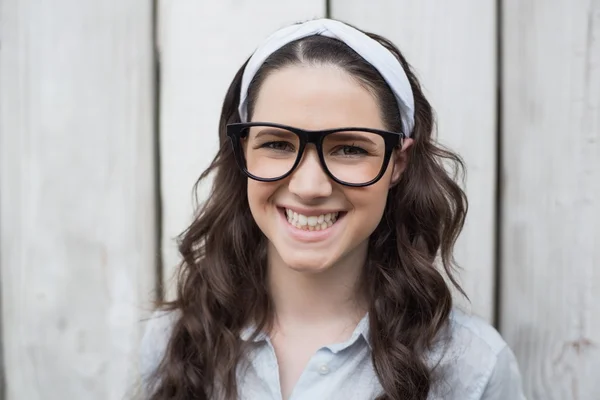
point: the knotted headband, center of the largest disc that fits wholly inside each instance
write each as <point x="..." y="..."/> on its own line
<point x="372" y="51"/>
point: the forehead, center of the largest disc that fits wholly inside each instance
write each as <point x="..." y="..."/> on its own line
<point x="316" y="97"/>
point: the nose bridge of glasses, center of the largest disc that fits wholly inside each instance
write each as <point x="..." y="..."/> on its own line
<point x="313" y="137"/>
<point x="311" y="147"/>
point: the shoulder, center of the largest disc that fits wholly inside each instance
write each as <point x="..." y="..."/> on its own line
<point x="154" y="341"/>
<point x="475" y="362"/>
<point x="468" y="330"/>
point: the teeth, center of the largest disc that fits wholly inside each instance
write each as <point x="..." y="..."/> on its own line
<point x="311" y="223"/>
<point x="302" y="219"/>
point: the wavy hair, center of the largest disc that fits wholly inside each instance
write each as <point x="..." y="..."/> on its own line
<point x="222" y="277"/>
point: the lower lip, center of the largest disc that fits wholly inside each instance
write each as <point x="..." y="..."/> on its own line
<point x="306" y="236"/>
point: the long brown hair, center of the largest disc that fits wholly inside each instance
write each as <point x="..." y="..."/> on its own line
<point x="221" y="282"/>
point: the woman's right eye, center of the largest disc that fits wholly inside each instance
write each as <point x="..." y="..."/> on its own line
<point x="279" y="146"/>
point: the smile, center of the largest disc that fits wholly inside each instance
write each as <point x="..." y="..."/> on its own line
<point x="312" y="222"/>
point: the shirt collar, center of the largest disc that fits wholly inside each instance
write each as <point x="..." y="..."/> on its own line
<point x="248" y="331"/>
<point x="361" y="330"/>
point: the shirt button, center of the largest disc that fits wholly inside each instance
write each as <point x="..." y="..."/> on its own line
<point x="323" y="369"/>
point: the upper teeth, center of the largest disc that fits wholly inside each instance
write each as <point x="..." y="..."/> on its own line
<point x="313" y="222"/>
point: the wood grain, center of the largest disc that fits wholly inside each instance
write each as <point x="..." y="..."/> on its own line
<point x="551" y="187"/>
<point x="452" y="47"/>
<point x="76" y="195"/>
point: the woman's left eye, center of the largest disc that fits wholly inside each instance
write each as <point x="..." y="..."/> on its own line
<point x="350" y="151"/>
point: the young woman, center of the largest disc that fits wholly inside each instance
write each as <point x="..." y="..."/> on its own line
<point x="311" y="270"/>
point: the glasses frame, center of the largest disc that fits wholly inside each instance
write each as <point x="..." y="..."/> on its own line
<point x="237" y="131"/>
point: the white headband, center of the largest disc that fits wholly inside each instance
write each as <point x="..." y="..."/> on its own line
<point x="372" y="51"/>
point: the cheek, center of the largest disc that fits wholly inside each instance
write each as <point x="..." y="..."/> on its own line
<point x="259" y="194"/>
<point x="372" y="199"/>
<point x="255" y="196"/>
<point x="253" y="192"/>
<point x="369" y="205"/>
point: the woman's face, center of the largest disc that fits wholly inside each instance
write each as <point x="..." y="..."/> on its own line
<point x="314" y="98"/>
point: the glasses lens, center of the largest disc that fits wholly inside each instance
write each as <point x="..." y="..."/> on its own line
<point x="354" y="157"/>
<point x="270" y="152"/>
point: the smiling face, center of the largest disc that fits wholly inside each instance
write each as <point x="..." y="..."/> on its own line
<point x="312" y="222"/>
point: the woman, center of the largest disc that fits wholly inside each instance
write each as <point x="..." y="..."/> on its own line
<point x="310" y="272"/>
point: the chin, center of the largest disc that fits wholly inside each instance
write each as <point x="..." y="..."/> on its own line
<point x="309" y="264"/>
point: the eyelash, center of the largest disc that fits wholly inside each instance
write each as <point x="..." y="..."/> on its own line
<point x="270" y="145"/>
<point x="361" y="151"/>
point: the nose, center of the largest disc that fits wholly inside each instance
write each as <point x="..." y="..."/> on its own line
<point x="309" y="181"/>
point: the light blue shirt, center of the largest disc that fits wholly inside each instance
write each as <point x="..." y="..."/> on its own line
<point x="476" y="364"/>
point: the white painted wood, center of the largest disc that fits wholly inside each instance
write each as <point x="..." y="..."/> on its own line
<point x="202" y="45"/>
<point x="551" y="225"/>
<point x="76" y="195"/>
<point x="451" y="45"/>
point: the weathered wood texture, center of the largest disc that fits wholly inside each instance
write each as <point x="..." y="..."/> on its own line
<point x="452" y="47"/>
<point x="76" y="194"/>
<point x="550" y="305"/>
<point x="201" y="48"/>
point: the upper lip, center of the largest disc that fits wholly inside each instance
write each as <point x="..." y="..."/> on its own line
<point x="312" y="211"/>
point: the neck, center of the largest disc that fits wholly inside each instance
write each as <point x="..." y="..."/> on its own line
<point x="331" y="296"/>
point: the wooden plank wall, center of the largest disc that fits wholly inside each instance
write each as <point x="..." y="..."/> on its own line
<point x="452" y="47"/>
<point x="76" y="195"/>
<point x="78" y="184"/>
<point x="550" y="303"/>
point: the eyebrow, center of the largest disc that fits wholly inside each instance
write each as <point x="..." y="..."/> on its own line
<point x="337" y="135"/>
<point x="352" y="136"/>
<point x="275" y="132"/>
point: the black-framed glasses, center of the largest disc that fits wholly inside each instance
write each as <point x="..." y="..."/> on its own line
<point x="355" y="157"/>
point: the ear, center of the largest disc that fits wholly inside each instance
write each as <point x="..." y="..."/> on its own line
<point x="400" y="161"/>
